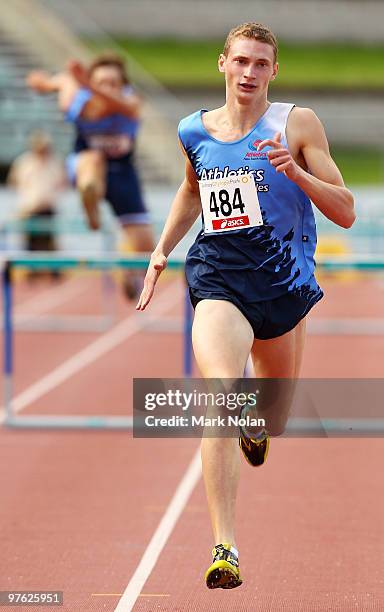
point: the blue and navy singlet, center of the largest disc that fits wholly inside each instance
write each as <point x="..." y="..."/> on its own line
<point x="257" y="263"/>
<point x="114" y="135"/>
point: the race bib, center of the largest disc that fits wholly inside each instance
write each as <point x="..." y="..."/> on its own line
<point x="230" y="203"/>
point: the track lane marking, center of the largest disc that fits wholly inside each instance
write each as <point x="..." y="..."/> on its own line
<point x="160" y="537"/>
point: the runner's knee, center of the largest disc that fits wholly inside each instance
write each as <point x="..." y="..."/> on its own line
<point x="91" y="160"/>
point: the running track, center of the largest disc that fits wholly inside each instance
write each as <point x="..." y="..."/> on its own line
<point x="80" y="511"/>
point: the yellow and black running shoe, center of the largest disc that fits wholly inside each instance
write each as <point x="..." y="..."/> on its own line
<point x="224" y="572"/>
<point x="254" y="447"/>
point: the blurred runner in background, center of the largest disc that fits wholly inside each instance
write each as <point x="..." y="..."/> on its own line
<point x="105" y="111"/>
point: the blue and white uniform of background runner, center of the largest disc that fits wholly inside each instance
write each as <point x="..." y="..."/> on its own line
<point x="114" y="135"/>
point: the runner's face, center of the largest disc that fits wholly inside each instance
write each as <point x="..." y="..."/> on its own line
<point x="248" y="67"/>
<point x="107" y="78"/>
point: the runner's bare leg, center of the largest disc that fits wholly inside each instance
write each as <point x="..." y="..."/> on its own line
<point x="222" y="340"/>
<point x="90" y="182"/>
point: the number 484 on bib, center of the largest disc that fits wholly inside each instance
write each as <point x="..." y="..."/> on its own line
<point x="230" y="204"/>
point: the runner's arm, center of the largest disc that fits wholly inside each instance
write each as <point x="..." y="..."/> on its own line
<point x="43" y="82"/>
<point x="323" y="182"/>
<point x="61" y="83"/>
<point x="185" y="209"/>
<point x="325" y="185"/>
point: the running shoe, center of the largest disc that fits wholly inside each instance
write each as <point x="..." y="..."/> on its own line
<point x="224" y="572"/>
<point x="254" y="446"/>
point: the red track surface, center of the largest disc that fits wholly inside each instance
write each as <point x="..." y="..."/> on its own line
<point x="78" y="509"/>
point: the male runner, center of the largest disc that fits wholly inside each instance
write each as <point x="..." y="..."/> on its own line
<point x="250" y="269"/>
<point x="105" y="110"/>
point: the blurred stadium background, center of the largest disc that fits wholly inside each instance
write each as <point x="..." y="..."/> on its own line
<point x="331" y="60"/>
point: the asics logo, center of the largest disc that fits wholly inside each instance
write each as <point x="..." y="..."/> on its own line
<point x="220" y="224"/>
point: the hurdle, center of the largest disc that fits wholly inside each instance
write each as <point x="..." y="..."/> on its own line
<point x="348" y="326"/>
<point x="66" y="322"/>
<point x="369" y="263"/>
<point x="93" y="262"/>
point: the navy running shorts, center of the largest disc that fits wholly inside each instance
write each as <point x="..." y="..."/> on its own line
<point x="123" y="190"/>
<point x="270" y="318"/>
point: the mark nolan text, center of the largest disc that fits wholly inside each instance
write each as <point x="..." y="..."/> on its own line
<point x="227" y="421"/>
<point x="203" y="421"/>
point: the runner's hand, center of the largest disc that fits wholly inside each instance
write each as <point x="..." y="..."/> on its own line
<point x="157" y="264"/>
<point x="36" y="79"/>
<point x="79" y="72"/>
<point x="280" y="157"/>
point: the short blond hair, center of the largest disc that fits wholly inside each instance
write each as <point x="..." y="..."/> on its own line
<point x="257" y="31"/>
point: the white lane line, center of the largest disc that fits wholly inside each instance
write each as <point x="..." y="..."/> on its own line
<point x="161" y="535"/>
<point x="90" y="353"/>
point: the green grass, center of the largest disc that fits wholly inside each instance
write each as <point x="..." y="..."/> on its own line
<point x="194" y="63"/>
<point x="360" y="166"/>
<point x="331" y="66"/>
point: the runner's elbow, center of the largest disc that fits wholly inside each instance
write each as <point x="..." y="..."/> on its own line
<point x="190" y="187"/>
<point x="350" y="215"/>
<point x="349" y="219"/>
